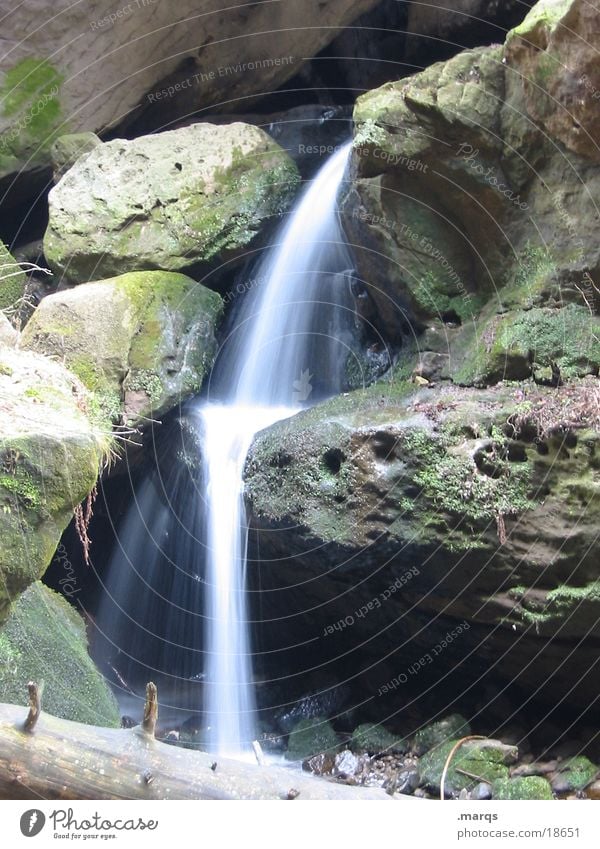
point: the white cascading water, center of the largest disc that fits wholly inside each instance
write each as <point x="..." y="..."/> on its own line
<point x="289" y="331"/>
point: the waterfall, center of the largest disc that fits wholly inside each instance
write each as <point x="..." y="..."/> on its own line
<point x="289" y="335"/>
<point x="173" y="607"/>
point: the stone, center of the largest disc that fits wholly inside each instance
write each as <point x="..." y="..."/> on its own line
<point x="555" y="50"/>
<point x="52" y="448"/>
<point x="141" y="342"/>
<point x="347" y="765"/>
<point x="485" y="761"/>
<point x="44" y="640"/>
<point x="375" y="739"/>
<point x="450" y="728"/>
<point x="574" y="774"/>
<point x="532" y="787"/>
<point x="311" y="737"/>
<point x="153" y="64"/>
<point x="66" y="150"/>
<point x="449" y="488"/>
<point x="167" y="201"/>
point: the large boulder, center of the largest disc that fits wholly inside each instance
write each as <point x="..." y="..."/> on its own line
<point x="461" y="201"/>
<point x="142" y="342"/>
<point x="147" y="55"/>
<point x="555" y="53"/>
<point x="44" y="640"/>
<point x="460" y="517"/>
<point x="50" y="454"/>
<point x="167" y="201"/>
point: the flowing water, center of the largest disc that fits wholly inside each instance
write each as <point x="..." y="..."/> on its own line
<point x="289" y="331"/>
<point x="290" y="336"/>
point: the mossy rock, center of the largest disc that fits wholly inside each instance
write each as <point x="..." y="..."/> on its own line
<point x="50" y="454"/>
<point x="524" y="788"/>
<point x="575" y="774"/>
<point x="488" y="760"/>
<point x="30" y="98"/>
<point x="311" y="737"/>
<point x="450" y="728"/>
<point x="12" y="279"/>
<point x="141" y="342"/>
<point x="517" y="344"/>
<point x="44" y="640"/>
<point x="375" y="739"/>
<point x="166" y="201"/>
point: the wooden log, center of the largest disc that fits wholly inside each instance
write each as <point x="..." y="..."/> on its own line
<point x="59" y="759"/>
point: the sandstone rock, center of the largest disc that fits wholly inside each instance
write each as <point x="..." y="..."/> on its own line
<point x="44" y="640"/>
<point x="481" y="492"/>
<point x="167" y="201"/>
<point x="50" y="454"/>
<point x="66" y="150"/>
<point x="142" y="342"/>
<point x="147" y="55"/>
<point x="555" y="54"/>
<point x="461" y="202"/>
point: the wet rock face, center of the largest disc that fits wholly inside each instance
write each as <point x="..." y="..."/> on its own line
<point x="167" y="201"/>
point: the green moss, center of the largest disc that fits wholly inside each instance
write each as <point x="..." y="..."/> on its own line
<point x="311" y="737"/>
<point x="23" y="487"/>
<point x="449" y="728"/>
<point x="375" y="739"/>
<point x="545" y="13"/>
<point x="44" y="640"/>
<point x="559" y="604"/>
<point x="524" y="787"/>
<point x="483" y="762"/>
<point x="578" y="772"/>
<point x="30" y="96"/>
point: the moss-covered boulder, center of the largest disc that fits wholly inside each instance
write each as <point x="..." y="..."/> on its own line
<point x="166" y="201"/>
<point x="455" y="188"/>
<point x="555" y="51"/>
<point x="142" y="342"/>
<point x="518" y="344"/>
<point x="311" y="737"/>
<point x="452" y="727"/>
<point x="44" y="640"/>
<point x="375" y="739"/>
<point x="484" y="760"/>
<point x="459" y="521"/>
<point x="574" y="774"/>
<point x="50" y="454"/>
<point x="12" y="279"/>
<point x="523" y="788"/>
